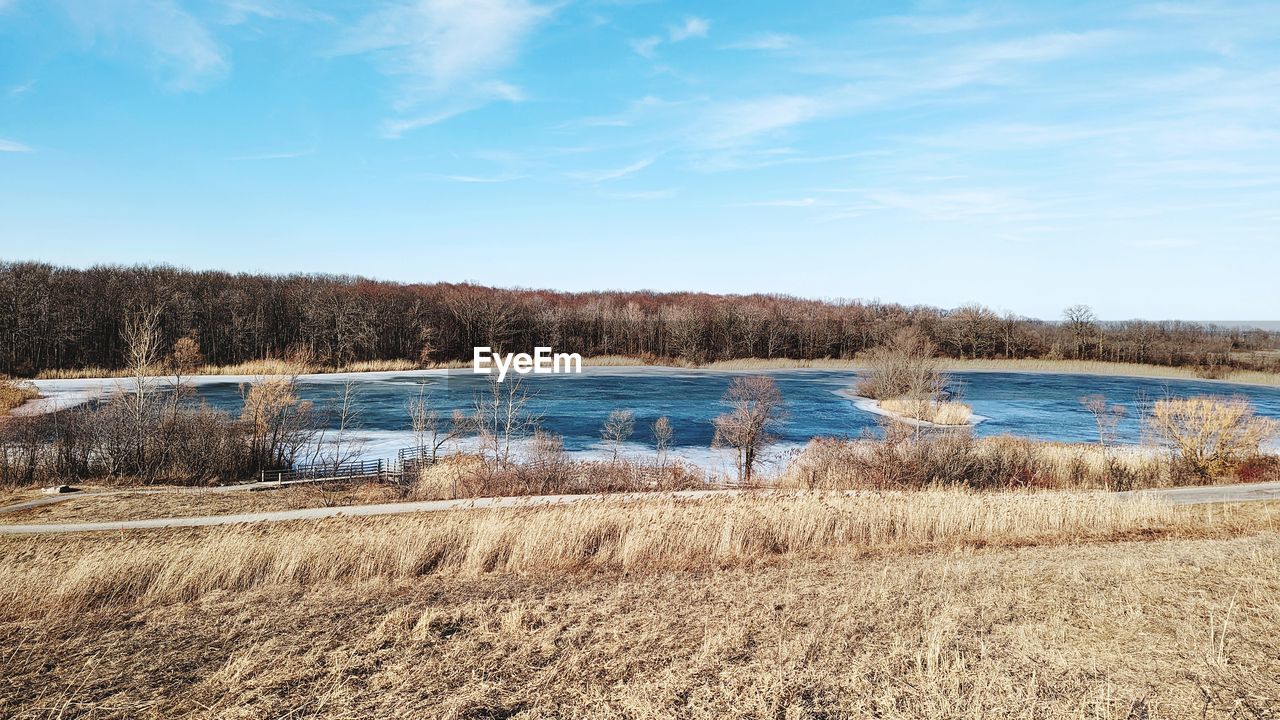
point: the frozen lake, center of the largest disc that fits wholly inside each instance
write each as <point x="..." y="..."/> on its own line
<point x="1033" y="405"/>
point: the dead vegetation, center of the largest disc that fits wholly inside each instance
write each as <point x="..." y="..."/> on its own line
<point x="1167" y="629"/>
<point x="13" y="393"/>
<point x="142" y="569"/>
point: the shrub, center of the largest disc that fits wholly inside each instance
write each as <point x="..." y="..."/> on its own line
<point x="903" y="367"/>
<point x="905" y="459"/>
<point x="1212" y="435"/>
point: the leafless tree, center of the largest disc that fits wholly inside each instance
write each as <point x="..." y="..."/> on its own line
<point x="662" y="436"/>
<point x="502" y="415"/>
<point x="755" y="410"/>
<point x="1106" y="416"/>
<point x="280" y="425"/>
<point x="141" y="336"/>
<point x="617" y="429"/>
<point x="430" y="431"/>
<point x="904" y="368"/>
<point x="1082" y="323"/>
<point x="345" y="409"/>
<point x="185" y="359"/>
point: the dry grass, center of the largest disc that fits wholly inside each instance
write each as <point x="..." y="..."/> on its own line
<point x="38" y="577"/>
<point x="185" y="502"/>
<point x="935" y="412"/>
<point x="1095" y="367"/>
<point x="13" y="393"/>
<point x="1166" y="629"/>
<point x="907" y="459"/>
<point x="1082" y="367"/>
<point x="265" y="367"/>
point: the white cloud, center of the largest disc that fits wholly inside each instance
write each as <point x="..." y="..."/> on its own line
<point x="693" y="27"/>
<point x="447" y="51"/>
<point x="767" y="41"/>
<point x="614" y="174"/>
<point x="645" y="47"/>
<point x="174" y="40"/>
<point x="12" y="146"/>
<point x="236" y="12"/>
<point x="743" y="122"/>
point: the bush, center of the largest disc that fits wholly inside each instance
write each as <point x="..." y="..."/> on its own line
<point x="1212" y="435"/>
<point x="905" y="367"/>
<point x="906" y="459"/>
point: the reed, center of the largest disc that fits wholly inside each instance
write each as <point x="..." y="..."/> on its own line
<point x="38" y="578"/>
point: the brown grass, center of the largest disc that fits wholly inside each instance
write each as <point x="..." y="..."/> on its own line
<point x="39" y="577"/>
<point x="936" y="412"/>
<point x="1167" y="629"/>
<point x="906" y="459"/>
<point x="181" y="502"/>
<point x="13" y="393"/>
<point x="1081" y="367"/>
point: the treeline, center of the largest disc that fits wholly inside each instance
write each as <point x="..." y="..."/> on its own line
<point x="54" y="318"/>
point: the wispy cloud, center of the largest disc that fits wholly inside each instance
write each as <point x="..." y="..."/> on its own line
<point x="447" y="53"/>
<point x="180" y="46"/>
<point x="646" y="47"/>
<point x="766" y="41"/>
<point x="692" y="27"/>
<point x="613" y="174"/>
<point x="12" y="146"/>
<point x="21" y="88"/>
<point x="740" y="122"/>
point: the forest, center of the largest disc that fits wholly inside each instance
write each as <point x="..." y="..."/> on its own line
<point x="58" y="318"/>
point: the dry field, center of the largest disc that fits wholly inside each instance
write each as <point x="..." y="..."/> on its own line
<point x="932" y="604"/>
<point x="188" y="502"/>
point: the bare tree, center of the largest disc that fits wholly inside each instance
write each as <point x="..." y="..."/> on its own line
<point x="430" y="431"/>
<point x="502" y="415"/>
<point x="185" y="359"/>
<point x="1107" y="417"/>
<point x="1081" y="321"/>
<point x="905" y="369"/>
<point x="342" y="449"/>
<point x="141" y="336"/>
<point x="756" y="409"/>
<point x="280" y="425"/>
<point x="662" y="436"/>
<point x="617" y="429"/>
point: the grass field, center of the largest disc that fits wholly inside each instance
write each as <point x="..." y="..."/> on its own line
<point x="924" y="605"/>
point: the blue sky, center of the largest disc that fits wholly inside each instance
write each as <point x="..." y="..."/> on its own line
<point x="1026" y="156"/>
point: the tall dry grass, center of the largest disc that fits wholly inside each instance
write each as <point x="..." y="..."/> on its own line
<point x="930" y="411"/>
<point x="266" y="366"/>
<point x="13" y="393"/>
<point x="906" y="459"/>
<point x="39" y="577"/>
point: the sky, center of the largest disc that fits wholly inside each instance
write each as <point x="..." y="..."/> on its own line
<point x="1027" y="156"/>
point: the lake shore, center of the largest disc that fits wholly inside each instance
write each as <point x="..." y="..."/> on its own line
<point x="249" y="371"/>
